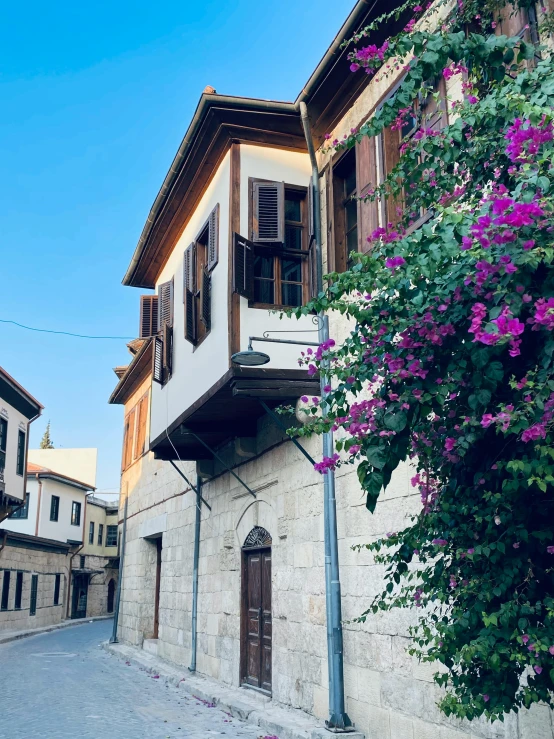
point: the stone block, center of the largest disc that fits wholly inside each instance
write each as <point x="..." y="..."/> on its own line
<point x="379" y="724"/>
<point x="536" y="723"/>
<point x="369" y="686"/>
<point x="401" y="727"/>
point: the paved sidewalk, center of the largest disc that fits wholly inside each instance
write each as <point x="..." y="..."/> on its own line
<point x="63" y="685"/>
<point x="248" y="705"/>
<point x="7" y="636"/>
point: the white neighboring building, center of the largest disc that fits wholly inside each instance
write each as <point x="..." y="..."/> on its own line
<point x="18" y="409"/>
<point x="55" y="506"/>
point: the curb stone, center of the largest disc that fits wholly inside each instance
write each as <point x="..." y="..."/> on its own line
<point x="285" y="723"/>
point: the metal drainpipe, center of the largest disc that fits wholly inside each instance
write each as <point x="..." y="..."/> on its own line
<point x="114" y="638"/>
<point x="192" y="667"/>
<point x="39" y="498"/>
<point x="339" y="720"/>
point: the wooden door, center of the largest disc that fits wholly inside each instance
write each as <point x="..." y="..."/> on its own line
<point x="257" y="626"/>
<point x="111" y="594"/>
<point x="79" y="600"/>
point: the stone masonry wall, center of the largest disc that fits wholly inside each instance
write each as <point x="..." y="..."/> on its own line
<point x="97" y="596"/>
<point x="46" y="565"/>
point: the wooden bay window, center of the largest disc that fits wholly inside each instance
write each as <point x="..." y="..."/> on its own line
<point x="272" y="269"/>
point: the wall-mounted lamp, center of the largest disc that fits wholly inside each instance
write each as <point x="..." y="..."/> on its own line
<point x="253" y="358"/>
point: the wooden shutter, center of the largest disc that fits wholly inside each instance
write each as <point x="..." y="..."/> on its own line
<point x="243" y="267"/>
<point x="391" y="142"/>
<point x="157" y="360"/>
<point x="148" y="316"/>
<point x="366" y="179"/>
<point x="128" y="439"/>
<point x="312" y="271"/>
<point x="140" y="436"/>
<point x="511" y="21"/>
<point x="189" y="280"/>
<point x="206" y="299"/>
<point x="310" y="207"/>
<point x="213" y="238"/>
<point x="268" y="212"/>
<point x="165" y="304"/>
<point x="167" y="351"/>
<point x="434" y="109"/>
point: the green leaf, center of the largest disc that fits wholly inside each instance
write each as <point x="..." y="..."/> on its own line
<point x="373" y="488"/>
<point x="376" y="456"/>
<point x="396" y="421"/>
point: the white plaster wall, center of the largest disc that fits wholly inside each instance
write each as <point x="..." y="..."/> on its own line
<point x="60" y="530"/>
<point x="196" y="369"/>
<point x="292" y="168"/>
<point x="13" y="483"/>
<point x="26" y="525"/>
<point x="79" y="464"/>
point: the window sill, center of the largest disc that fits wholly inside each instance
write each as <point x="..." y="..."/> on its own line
<point x="269" y="306"/>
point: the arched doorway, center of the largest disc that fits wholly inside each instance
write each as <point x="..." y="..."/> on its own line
<point x="111" y="594"/>
<point x="256" y="626"/>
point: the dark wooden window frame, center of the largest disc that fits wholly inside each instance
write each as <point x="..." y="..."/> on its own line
<point x="91" y="532"/>
<point x="100" y="541"/>
<point x="3" y="442"/>
<point x="5" y="590"/>
<point x="57" y="582"/>
<point x="20" y="464"/>
<point x="22" y="511"/>
<point x="18" y="591"/>
<point x="278" y="250"/>
<point x="110" y="535"/>
<point x="34" y="595"/>
<point x="75" y="513"/>
<point x="54" y="507"/>
<point x="199" y="261"/>
<point x="140" y="427"/>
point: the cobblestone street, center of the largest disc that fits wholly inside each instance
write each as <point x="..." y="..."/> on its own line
<point x="63" y="685"/>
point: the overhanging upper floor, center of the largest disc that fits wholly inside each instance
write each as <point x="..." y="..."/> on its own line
<point x="230" y="409"/>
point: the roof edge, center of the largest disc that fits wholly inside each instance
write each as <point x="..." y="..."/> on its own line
<point x="206" y="102"/>
<point x="116" y="398"/>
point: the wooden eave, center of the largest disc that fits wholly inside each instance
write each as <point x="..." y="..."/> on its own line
<point x="231" y="409"/>
<point x="218" y="122"/>
<point x="137" y="371"/>
<point x="12" y="392"/>
<point x="332" y="88"/>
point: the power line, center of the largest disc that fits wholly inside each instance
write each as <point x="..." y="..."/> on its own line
<point x="65" y="333"/>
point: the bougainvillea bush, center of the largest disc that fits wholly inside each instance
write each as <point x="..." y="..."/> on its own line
<point x="451" y="362"/>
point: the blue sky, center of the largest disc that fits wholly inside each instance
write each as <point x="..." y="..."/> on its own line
<point x="95" y="100"/>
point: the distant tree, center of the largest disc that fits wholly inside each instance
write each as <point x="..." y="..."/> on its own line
<point x="46" y="441"/>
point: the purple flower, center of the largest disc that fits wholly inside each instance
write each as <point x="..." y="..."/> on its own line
<point x="304" y="399"/>
<point x="351" y="380"/>
<point x="355" y="449"/>
<point x="467" y="243"/>
<point x="394" y="262"/>
<point x="538" y="669"/>
<point x="327" y="389"/>
<point x="486" y="698"/>
<point x="449" y="444"/>
<point x="470" y="551"/>
<point x="551" y="650"/>
<point x="550" y="550"/>
<point x="439" y="542"/>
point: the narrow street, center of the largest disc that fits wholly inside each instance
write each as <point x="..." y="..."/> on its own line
<point x="63" y="684"/>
